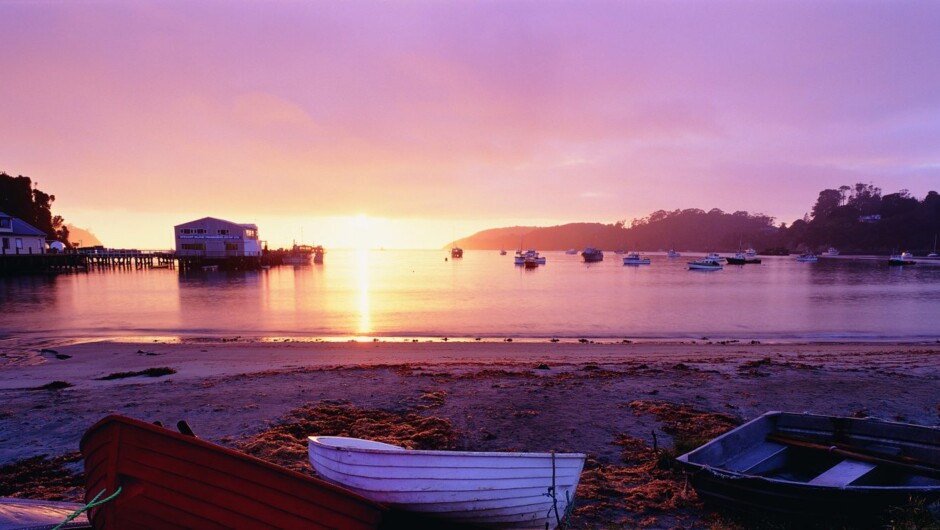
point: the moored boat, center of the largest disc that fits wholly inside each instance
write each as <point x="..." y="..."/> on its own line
<point x="673" y="254"/>
<point x="318" y="253"/>
<point x="904" y="258"/>
<point x="806" y="464"/>
<point x="571" y="251"/>
<point x="705" y="264"/>
<point x="742" y="258"/>
<point x="456" y="252"/>
<point x="488" y="489"/>
<point x="592" y="255"/>
<point x="298" y="255"/>
<point x="832" y="252"/>
<point x="634" y="258"/>
<point x="171" y="480"/>
<point x="807" y="257"/>
<point x="714" y="256"/>
<point x="531" y="262"/>
<point x="521" y="257"/>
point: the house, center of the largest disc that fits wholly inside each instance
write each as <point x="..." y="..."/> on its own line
<point x="20" y="237"/>
<point x="216" y="238"/>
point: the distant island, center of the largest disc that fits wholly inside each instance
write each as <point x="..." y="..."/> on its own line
<point x="855" y="220"/>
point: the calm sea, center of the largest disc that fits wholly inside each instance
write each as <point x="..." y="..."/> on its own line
<point x="378" y="294"/>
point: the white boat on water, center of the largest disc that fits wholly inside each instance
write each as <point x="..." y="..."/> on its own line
<point x="904" y="258"/>
<point x="750" y="253"/>
<point x="832" y="252"/>
<point x="530" y="254"/>
<point x="634" y="258"/>
<point x="807" y="257"/>
<point x="488" y="489"/>
<point x="673" y="254"/>
<point x="706" y="264"/>
<point x="571" y="251"/>
<point x="714" y="256"/>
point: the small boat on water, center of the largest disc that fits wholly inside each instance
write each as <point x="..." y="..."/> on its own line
<point x="741" y="258"/>
<point x="531" y="263"/>
<point x="714" y="256"/>
<point x="502" y="252"/>
<point x="806" y="464"/>
<point x="807" y="257"/>
<point x="533" y="254"/>
<point x="487" y="489"/>
<point x="456" y="252"/>
<point x="832" y="252"/>
<point x="318" y="253"/>
<point x="904" y="258"/>
<point x="171" y="480"/>
<point x="673" y="254"/>
<point x="592" y="255"/>
<point x="634" y="258"/>
<point x="750" y="253"/>
<point x="571" y="251"/>
<point x="298" y="255"/>
<point x="705" y="264"/>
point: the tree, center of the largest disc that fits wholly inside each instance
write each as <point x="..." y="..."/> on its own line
<point x="20" y="198"/>
<point x="828" y="201"/>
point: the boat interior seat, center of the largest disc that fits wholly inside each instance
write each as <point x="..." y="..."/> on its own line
<point x="843" y="473"/>
<point x="747" y="461"/>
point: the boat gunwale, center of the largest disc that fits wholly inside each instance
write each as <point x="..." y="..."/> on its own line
<point x="398" y="450"/>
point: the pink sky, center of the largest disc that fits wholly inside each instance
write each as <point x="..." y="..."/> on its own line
<point x="459" y="116"/>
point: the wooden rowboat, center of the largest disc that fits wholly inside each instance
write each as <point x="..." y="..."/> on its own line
<point x="489" y="489"/>
<point x="170" y="480"/>
<point x="805" y="464"/>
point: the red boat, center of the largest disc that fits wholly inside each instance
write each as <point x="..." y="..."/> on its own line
<point x="171" y="480"/>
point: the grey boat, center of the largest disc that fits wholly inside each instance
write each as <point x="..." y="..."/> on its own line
<point x="811" y="465"/>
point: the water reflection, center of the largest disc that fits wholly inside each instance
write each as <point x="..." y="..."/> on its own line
<point x="365" y="318"/>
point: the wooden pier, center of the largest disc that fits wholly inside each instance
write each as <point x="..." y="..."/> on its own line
<point x="99" y="258"/>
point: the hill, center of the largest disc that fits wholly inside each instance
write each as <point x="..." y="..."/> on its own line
<point x="82" y="237"/>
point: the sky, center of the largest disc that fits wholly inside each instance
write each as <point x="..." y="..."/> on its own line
<point x="406" y="124"/>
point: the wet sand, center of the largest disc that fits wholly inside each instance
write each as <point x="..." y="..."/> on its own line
<point x="604" y="399"/>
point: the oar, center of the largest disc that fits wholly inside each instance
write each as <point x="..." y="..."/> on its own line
<point x="913" y="465"/>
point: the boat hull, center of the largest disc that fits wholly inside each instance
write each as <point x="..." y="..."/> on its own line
<point x="752" y="468"/>
<point x="498" y="490"/>
<point x="169" y="480"/>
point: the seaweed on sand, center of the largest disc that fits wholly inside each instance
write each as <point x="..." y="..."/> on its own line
<point x="285" y="444"/>
<point x="41" y="477"/>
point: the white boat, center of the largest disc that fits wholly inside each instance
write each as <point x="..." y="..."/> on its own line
<point x="832" y="251"/>
<point x="904" y="258"/>
<point x="714" y="256"/>
<point x="533" y="254"/>
<point x="706" y="264"/>
<point x="750" y="253"/>
<point x="571" y="251"/>
<point x="807" y="257"/>
<point x="592" y="255"/>
<point x="488" y="489"/>
<point x="673" y="254"/>
<point x="634" y="258"/>
<point x="298" y="255"/>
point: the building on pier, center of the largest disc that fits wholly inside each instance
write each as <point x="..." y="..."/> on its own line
<point x="211" y="243"/>
<point x="19" y="237"/>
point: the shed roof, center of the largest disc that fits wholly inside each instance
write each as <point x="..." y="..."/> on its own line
<point x="22" y="228"/>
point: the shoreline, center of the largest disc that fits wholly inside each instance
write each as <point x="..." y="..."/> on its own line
<point x="519" y="396"/>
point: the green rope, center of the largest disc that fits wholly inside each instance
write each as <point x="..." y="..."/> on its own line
<point x="94" y="502"/>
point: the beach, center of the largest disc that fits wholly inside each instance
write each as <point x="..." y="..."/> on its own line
<point x="619" y="402"/>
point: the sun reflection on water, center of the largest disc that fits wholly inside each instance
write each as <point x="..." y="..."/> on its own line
<point x="362" y="264"/>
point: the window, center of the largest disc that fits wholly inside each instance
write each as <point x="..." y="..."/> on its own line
<point x="19" y="242"/>
<point x="250" y="233"/>
<point x="5" y="222"/>
<point x="223" y="232"/>
<point x="200" y="230"/>
<point x="186" y="230"/>
<point x="231" y="246"/>
<point x="6" y="243"/>
<point x="193" y="246"/>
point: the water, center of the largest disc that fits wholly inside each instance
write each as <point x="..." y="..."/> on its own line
<point x="374" y="294"/>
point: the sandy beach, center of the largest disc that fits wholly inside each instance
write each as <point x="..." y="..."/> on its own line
<point x="612" y="401"/>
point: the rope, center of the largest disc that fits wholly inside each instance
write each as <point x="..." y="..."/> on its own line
<point x="94" y="502"/>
